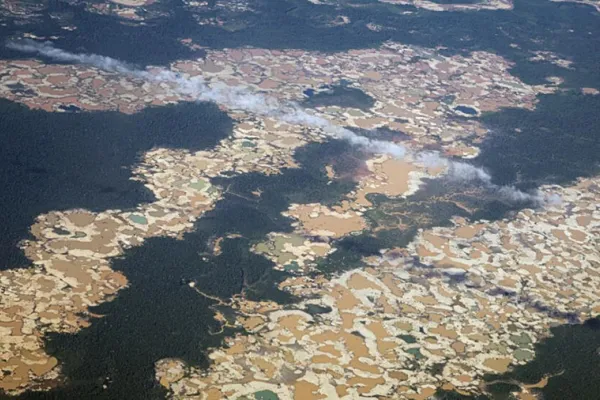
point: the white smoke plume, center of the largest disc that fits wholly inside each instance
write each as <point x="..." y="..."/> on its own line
<point x="232" y="97"/>
<point x="459" y="171"/>
<point x="48" y="50"/>
<point x="241" y="98"/>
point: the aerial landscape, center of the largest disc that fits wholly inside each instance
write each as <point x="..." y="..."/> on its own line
<point x="300" y="199"/>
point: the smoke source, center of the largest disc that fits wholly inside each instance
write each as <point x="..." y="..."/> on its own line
<point x="240" y="98"/>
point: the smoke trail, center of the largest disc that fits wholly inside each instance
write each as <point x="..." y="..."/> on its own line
<point x="48" y="50"/>
<point x="244" y="99"/>
<point x="234" y="98"/>
<point x="459" y="171"/>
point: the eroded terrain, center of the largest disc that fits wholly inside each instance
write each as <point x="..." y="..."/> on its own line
<point x="457" y="303"/>
<point x="462" y="310"/>
<point x="445" y="5"/>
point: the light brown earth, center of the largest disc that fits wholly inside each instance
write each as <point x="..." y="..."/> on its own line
<point x="358" y="348"/>
<point x="71" y="273"/>
<point x="434" y="6"/>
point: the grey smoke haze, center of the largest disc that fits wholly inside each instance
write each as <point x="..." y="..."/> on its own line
<point x="242" y="98"/>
